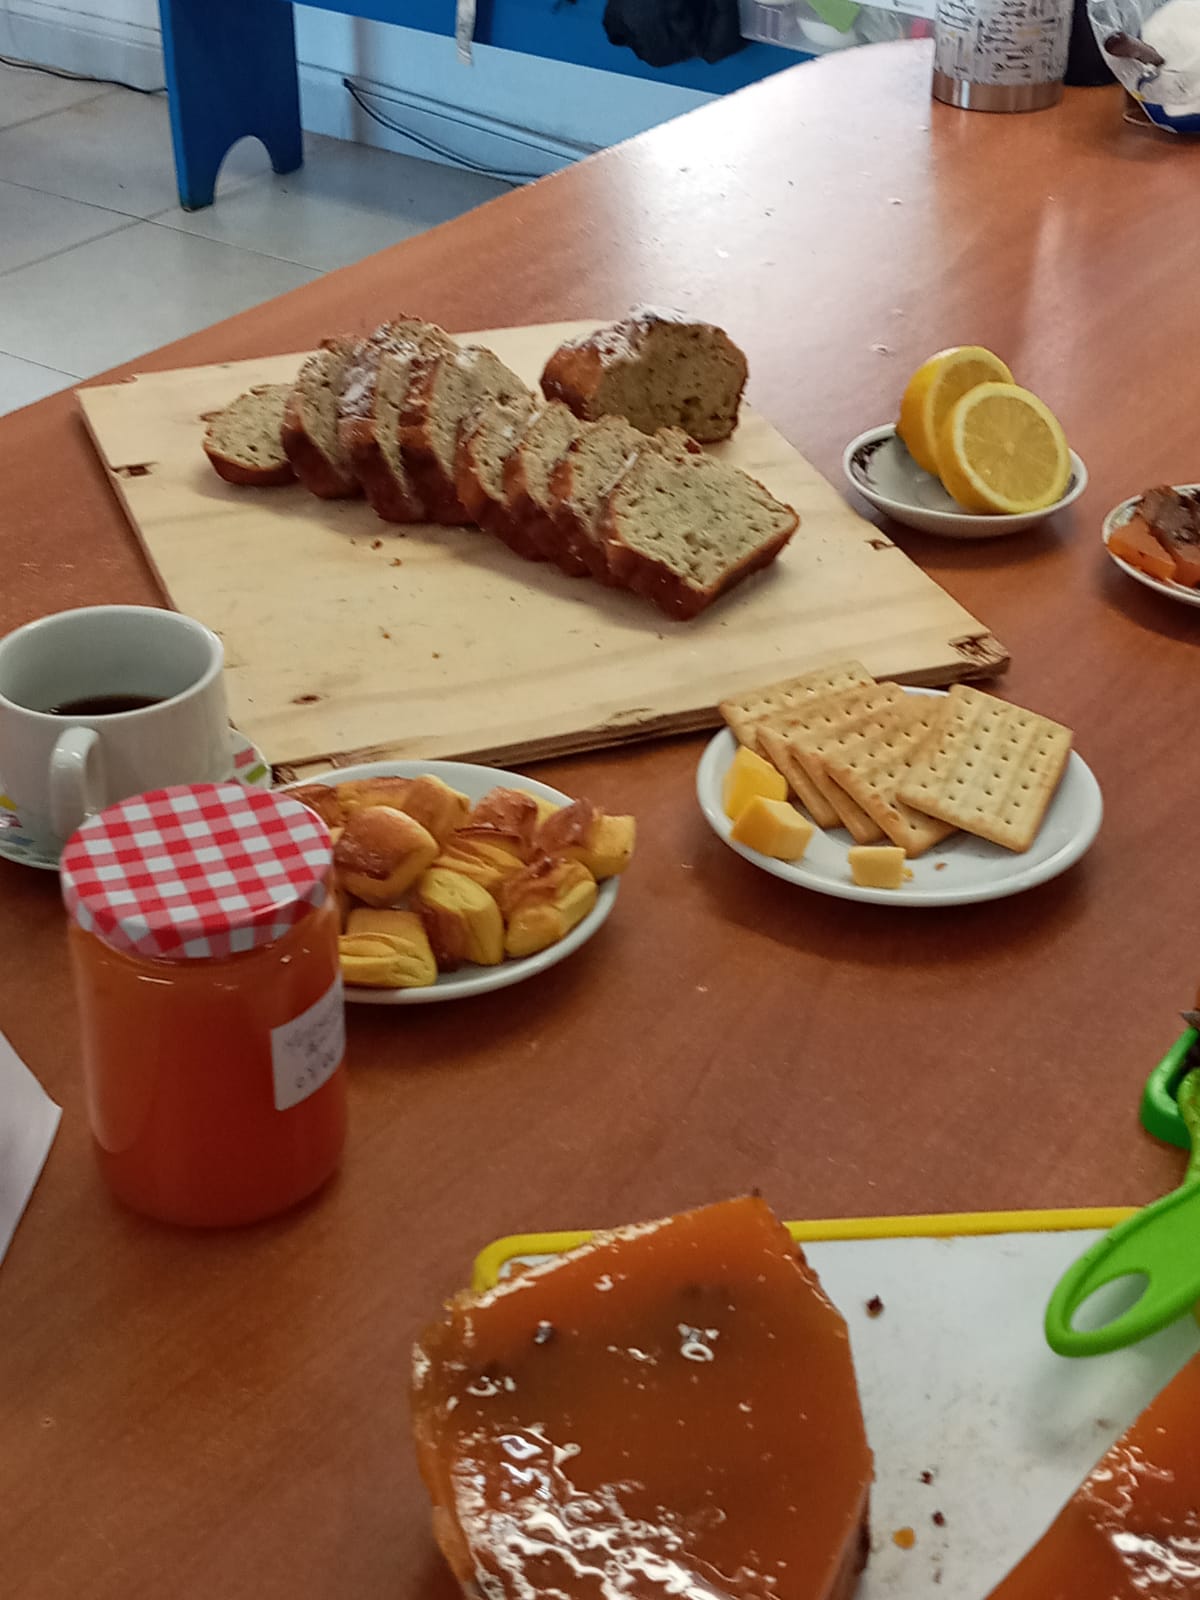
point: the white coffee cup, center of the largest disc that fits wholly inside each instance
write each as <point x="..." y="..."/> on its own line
<point x="64" y="755"/>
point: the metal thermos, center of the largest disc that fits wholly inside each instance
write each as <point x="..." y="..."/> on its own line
<point x="1001" y="55"/>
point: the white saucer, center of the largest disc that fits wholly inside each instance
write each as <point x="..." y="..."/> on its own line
<point x="960" y="871"/>
<point x="883" y="472"/>
<point x="474" y="782"/>
<point x="249" y="767"/>
<point x="1120" y="515"/>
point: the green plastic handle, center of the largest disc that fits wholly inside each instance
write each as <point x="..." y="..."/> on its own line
<point x="1163" y="1243"/>
<point x="1161" y="1115"/>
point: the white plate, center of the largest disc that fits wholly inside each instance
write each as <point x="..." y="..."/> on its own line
<point x="474" y="782"/>
<point x="961" y="871"/>
<point x="249" y="767"/>
<point x="883" y="472"/>
<point x="1116" y="518"/>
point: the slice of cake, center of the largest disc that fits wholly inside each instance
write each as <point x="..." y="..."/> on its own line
<point x="657" y="369"/>
<point x="579" y="486"/>
<point x="442" y="394"/>
<point x="310" y="423"/>
<point x="244" y="440"/>
<point x="528" y="472"/>
<point x="1132" y="1529"/>
<point x="670" y="1410"/>
<point x="683" y="529"/>
<point x="487" y="442"/>
<point x="374" y="387"/>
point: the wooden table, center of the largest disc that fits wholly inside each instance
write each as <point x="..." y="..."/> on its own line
<point x="226" y="1416"/>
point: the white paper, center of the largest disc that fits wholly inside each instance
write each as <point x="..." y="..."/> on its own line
<point x="305" y="1052"/>
<point x="28" y="1122"/>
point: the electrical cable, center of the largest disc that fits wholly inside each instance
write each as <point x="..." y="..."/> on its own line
<point x="358" y="94"/>
<point x="72" y="77"/>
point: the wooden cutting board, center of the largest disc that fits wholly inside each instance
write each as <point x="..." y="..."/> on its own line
<point x="348" y="639"/>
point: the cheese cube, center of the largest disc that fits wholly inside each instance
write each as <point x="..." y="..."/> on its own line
<point x="749" y="775"/>
<point x="773" y="828"/>
<point x="877" y="866"/>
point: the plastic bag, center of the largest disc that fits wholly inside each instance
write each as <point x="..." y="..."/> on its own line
<point x="1153" y="48"/>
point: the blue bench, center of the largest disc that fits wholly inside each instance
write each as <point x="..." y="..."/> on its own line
<point x="231" y="67"/>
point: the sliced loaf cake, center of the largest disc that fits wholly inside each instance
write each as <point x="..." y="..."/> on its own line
<point x="373" y="392"/>
<point x="443" y="393"/>
<point x="656" y="369"/>
<point x="487" y="442"/>
<point x="682" y="529"/>
<point x="310" y="423"/>
<point x="244" y="441"/>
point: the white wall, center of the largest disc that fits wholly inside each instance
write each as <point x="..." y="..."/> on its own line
<point x="500" y="101"/>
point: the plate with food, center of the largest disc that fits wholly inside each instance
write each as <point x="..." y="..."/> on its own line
<point x="973" y="455"/>
<point x="897" y="796"/>
<point x="456" y="879"/>
<point x="1155" y="539"/>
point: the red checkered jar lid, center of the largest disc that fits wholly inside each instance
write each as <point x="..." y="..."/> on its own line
<point x="197" y="873"/>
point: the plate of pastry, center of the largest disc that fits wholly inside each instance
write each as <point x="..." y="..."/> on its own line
<point x="456" y="879"/>
<point x="897" y="796"/>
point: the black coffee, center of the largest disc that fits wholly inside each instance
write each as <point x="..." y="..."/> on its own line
<point x="105" y="705"/>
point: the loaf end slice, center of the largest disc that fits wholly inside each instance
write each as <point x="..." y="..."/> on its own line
<point x="244" y="440"/>
<point x="657" y="369"/>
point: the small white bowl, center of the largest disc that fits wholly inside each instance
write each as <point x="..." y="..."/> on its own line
<point x="883" y="472"/>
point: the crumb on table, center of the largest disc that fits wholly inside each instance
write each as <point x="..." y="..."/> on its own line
<point x="874" y="1306"/>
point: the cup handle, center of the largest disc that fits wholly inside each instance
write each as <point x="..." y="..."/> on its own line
<point x="76" y="780"/>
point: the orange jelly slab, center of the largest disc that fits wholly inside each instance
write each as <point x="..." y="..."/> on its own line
<point x="1132" y="1529"/>
<point x="670" y="1410"/>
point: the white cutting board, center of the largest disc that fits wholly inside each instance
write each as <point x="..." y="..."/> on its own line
<point x="957" y="1381"/>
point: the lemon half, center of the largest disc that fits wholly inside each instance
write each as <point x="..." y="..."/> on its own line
<point x="1001" y="449"/>
<point x="934" y="388"/>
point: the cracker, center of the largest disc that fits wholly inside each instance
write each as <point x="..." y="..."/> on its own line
<point x="773" y="744"/>
<point x="743" y="712"/>
<point x="990" y="769"/>
<point x="814" y="727"/>
<point x="870" y="763"/>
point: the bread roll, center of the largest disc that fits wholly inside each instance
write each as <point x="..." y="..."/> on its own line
<point x="511" y="812"/>
<point x="582" y="833"/>
<point x="386" y="950"/>
<point x="544" y="902"/>
<point x="487" y="861"/>
<point x="461" y="918"/>
<point x="319" y="797"/>
<point x="381" y="853"/>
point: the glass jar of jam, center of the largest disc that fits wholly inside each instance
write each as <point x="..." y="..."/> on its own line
<point x="204" y="946"/>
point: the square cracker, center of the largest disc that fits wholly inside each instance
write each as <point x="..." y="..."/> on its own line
<point x="990" y="769"/>
<point x="799" y="739"/>
<point x="744" y="712"/>
<point x="772" y="742"/>
<point x="871" y="762"/>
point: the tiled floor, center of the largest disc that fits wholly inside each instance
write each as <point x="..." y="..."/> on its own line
<point x="98" y="263"/>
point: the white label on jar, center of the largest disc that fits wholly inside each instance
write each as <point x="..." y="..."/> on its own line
<point x="305" y="1052"/>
